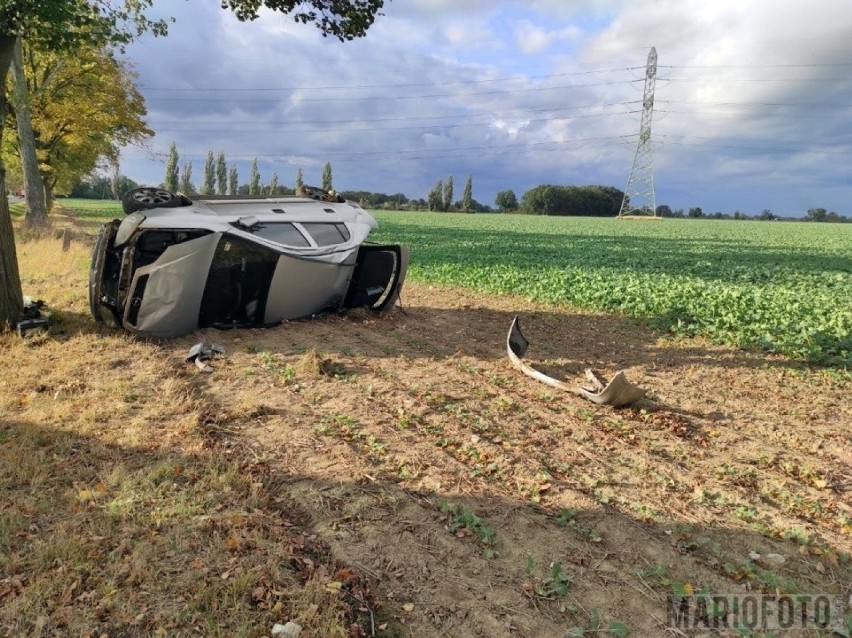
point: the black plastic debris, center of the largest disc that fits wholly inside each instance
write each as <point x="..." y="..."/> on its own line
<point x="204" y="351"/>
<point x="34" y="317"/>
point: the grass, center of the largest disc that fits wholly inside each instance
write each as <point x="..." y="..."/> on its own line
<point x="779" y="287"/>
<point x="124" y="515"/>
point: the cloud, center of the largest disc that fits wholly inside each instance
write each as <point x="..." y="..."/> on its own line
<point x="533" y="39"/>
<point x="750" y="113"/>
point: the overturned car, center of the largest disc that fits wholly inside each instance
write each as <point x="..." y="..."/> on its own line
<point x="173" y="265"/>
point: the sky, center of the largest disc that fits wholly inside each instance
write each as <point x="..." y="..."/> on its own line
<point x="752" y="108"/>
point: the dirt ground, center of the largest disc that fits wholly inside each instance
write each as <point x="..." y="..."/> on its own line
<point x="391" y="432"/>
<point x="472" y="501"/>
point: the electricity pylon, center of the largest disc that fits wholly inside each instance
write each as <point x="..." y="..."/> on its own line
<point x="639" y="198"/>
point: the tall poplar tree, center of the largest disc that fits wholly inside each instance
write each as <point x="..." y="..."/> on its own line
<point x="221" y="174"/>
<point x="467" y="195"/>
<point x="233" y="180"/>
<point x="254" y="179"/>
<point x="326" y="177"/>
<point x="172" y="178"/>
<point x="186" y="186"/>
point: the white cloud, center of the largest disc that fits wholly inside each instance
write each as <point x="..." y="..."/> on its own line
<point x="422" y="96"/>
<point x="532" y="39"/>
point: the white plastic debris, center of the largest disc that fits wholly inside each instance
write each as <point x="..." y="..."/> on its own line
<point x="288" y="630"/>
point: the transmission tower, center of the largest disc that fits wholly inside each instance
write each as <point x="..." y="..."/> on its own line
<point x="639" y="198"/>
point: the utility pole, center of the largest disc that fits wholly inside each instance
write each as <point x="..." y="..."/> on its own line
<point x="639" y="198"/>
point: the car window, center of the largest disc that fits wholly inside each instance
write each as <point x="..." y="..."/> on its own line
<point x="327" y="234"/>
<point x="283" y="233"/>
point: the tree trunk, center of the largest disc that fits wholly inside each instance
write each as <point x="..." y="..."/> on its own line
<point x="11" y="298"/>
<point x="33" y="186"/>
<point x="48" y="197"/>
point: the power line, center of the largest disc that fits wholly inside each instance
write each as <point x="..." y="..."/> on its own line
<point x="454" y="152"/>
<point x="495" y="114"/>
<point x="717" y="80"/>
<point x="392" y="85"/>
<point x="755" y="66"/>
<point x="535" y="89"/>
<point x="787" y="146"/>
<point x="286" y="127"/>
<point x="809" y="105"/>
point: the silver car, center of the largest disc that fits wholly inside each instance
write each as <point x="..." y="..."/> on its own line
<point x="173" y="265"/>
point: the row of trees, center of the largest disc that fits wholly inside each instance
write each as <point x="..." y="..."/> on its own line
<point x="813" y="215"/>
<point x="221" y="179"/>
<point x="440" y="198"/>
<point x="71" y="111"/>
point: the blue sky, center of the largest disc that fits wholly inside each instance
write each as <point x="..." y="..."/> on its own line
<point x="753" y="99"/>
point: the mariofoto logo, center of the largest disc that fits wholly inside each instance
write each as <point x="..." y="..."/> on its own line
<point x="756" y="612"/>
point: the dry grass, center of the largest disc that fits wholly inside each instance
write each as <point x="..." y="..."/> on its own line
<point x="120" y="514"/>
<point x="141" y="497"/>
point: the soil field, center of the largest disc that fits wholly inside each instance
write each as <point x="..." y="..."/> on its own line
<point x="409" y="479"/>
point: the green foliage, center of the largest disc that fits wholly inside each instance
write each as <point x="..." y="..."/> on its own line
<point x="506" y="201"/>
<point x="463" y="521"/>
<point x="779" y="287"/>
<point x="556" y="584"/>
<point x="394" y="201"/>
<point x="594" y="627"/>
<point x="100" y="187"/>
<point x="467" y="195"/>
<point x="254" y="178"/>
<point x="586" y="201"/>
<point x="448" y="193"/>
<point x="436" y="197"/>
<point x="343" y="19"/>
<point x="65" y="24"/>
<point x="72" y="132"/>
<point x="566" y="518"/>
<point x="221" y="174"/>
<point x="327" y="182"/>
<point x="299" y="179"/>
<point x="185" y="185"/>
<point x="172" y="177"/>
<point x="209" y="185"/>
<point x="233" y="180"/>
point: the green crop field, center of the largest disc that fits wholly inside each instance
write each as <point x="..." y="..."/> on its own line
<point x="780" y="287"/>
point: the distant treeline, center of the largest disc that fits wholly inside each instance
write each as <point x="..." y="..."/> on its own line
<point x="546" y="199"/>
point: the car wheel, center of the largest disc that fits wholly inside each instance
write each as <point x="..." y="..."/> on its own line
<point x="96" y="271"/>
<point x="146" y="198"/>
<point x="319" y="194"/>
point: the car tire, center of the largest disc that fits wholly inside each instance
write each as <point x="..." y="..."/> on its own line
<point x="146" y="198"/>
<point x="96" y="272"/>
<point x="319" y="194"/>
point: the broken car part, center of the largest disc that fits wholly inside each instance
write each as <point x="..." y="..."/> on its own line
<point x="617" y="393"/>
